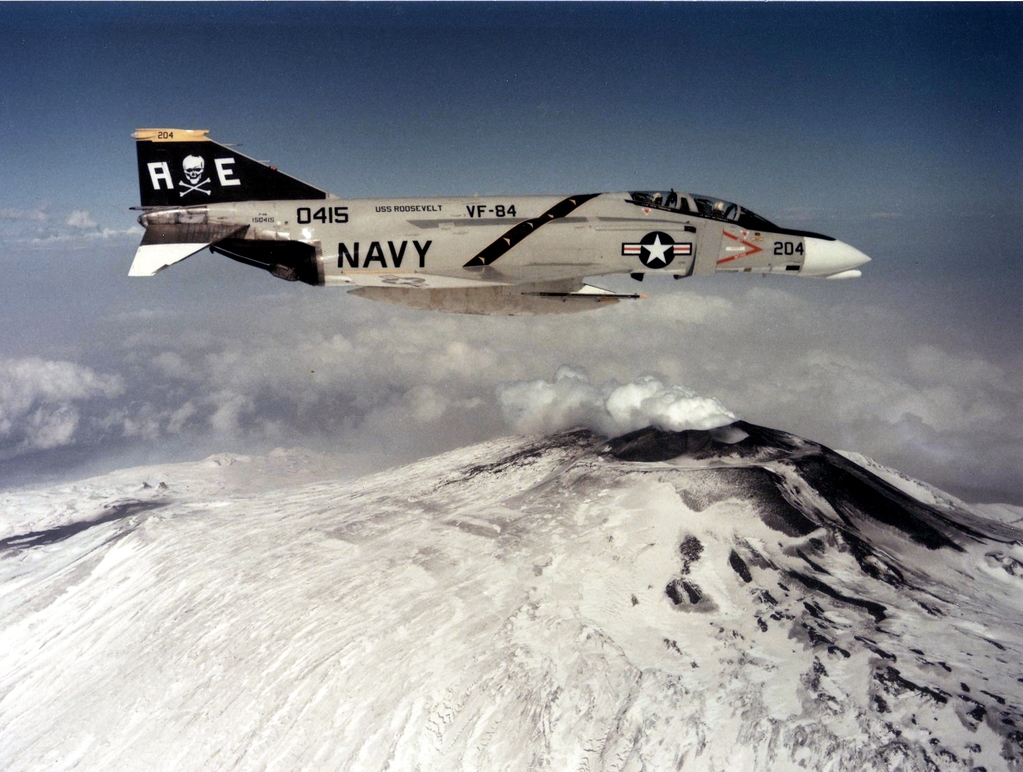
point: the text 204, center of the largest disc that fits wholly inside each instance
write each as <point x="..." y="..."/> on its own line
<point x="787" y="248"/>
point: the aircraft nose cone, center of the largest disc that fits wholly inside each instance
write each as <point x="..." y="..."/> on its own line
<point x="832" y="259"/>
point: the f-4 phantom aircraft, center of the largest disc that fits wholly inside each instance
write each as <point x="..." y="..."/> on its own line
<point x="497" y="255"/>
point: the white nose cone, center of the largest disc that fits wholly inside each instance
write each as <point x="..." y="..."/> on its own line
<point x="827" y="258"/>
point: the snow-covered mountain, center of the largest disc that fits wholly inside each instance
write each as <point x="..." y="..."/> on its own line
<point x="729" y="599"/>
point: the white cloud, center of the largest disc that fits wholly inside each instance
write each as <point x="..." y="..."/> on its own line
<point x="172" y="365"/>
<point x="38" y="214"/>
<point x="50" y="426"/>
<point x="37" y="229"/>
<point x="230" y="409"/>
<point x="934" y="364"/>
<point x="39" y="401"/>
<point x="180" y="417"/>
<point x="80" y="236"/>
<point x="25" y="381"/>
<point x="81" y="219"/>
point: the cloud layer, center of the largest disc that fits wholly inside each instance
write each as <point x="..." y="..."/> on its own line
<point x="342" y="374"/>
<point x="36" y="228"/>
<point x="40" y="402"/>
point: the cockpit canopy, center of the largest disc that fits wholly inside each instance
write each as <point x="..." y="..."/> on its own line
<point x="702" y="206"/>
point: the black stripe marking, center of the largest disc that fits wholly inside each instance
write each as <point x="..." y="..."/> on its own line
<point x="527" y="227"/>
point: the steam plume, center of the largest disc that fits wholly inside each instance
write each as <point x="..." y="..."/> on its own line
<point x="611" y="409"/>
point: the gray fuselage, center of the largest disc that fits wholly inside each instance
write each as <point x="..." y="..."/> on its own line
<point x="508" y="240"/>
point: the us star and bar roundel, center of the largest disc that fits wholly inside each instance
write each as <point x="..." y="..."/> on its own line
<point x="657" y="249"/>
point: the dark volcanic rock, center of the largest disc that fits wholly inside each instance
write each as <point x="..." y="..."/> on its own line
<point x="855" y="493"/>
<point x="740" y="439"/>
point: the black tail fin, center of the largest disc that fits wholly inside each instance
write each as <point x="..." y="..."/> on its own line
<point x="183" y="167"/>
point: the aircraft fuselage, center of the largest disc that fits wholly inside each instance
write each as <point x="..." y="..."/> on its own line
<point x="506" y="240"/>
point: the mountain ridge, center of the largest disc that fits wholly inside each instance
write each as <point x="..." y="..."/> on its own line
<point x="735" y="597"/>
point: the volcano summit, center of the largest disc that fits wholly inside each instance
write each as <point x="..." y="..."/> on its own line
<point x="735" y="598"/>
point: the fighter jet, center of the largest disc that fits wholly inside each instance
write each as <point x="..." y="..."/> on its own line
<point x="514" y="255"/>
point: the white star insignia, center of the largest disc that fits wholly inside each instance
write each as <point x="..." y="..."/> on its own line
<point x="657" y="250"/>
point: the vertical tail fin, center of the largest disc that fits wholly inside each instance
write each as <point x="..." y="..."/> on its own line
<point x="184" y="167"/>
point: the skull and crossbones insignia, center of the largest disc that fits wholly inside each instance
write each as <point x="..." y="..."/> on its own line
<point x="194" y="167"/>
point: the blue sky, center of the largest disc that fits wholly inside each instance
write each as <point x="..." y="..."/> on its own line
<point x="894" y="127"/>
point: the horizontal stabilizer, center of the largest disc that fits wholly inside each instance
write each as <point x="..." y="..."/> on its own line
<point x="150" y="258"/>
<point x="163" y="245"/>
